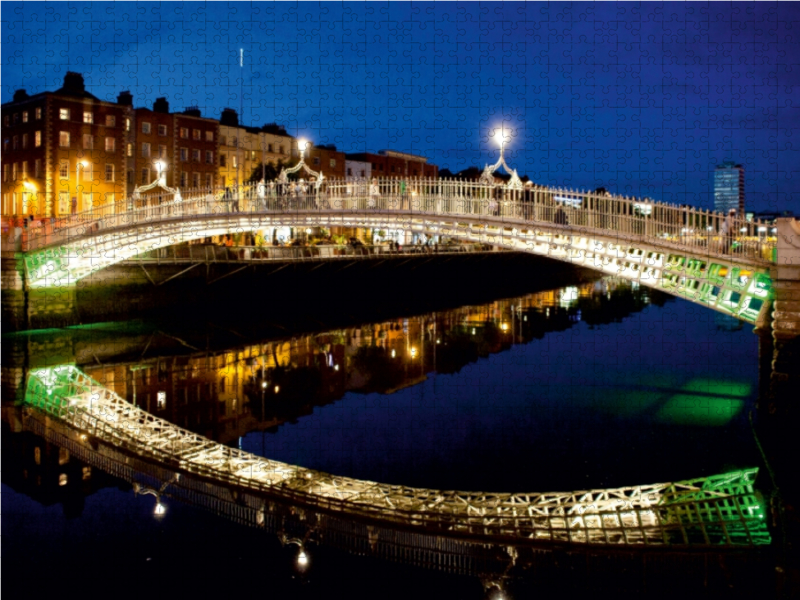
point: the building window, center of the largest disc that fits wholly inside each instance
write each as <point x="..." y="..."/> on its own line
<point x="24" y="141"/>
<point x="146" y="149"/>
<point x="127" y="124"/>
<point x="235" y="162"/>
<point x="37" y="139"/>
<point x="88" y="141"/>
<point x="63" y="139"/>
<point x="162" y="151"/>
<point x="184" y="156"/>
<point x="316" y="160"/>
<point x="88" y="117"/>
<point x="130" y="150"/>
<point x="185" y="133"/>
<point x="24" y="169"/>
<point x="14" y="172"/>
<point x="63" y="169"/>
<point x="109" y="172"/>
<point x="145" y="176"/>
<point x="223" y="160"/>
<point x="333" y="162"/>
<point x="234" y="142"/>
<point x="223" y="140"/>
<point x="196" y="180"/>
<point x="37" y="168"/>
<point x="363" y="173"/>
<point x="16" y="142"/>
<point x="280" y="150"/>
<point x="349" y="172"/>
<point x="15" y="118"/>
<point x="209" y="136"/>
<point x="146" y="127"/>
<point x="87" y="172"/>
<point x="87" y="201"/>
<point x="162" y="130"/>
<point x="111" y="121"/>
<point x="38" y="113"/>
<point x="63" y="114"/>
<point x="25" y="116"/>
<point x="184" y="179"/>
<point x="111" y="144"/>
<point x="196" y="134"/>
<point x="209" y="157"/>
<point x="209" y="180"/>
<point x="5" y="172"/>
<point x="269" y="148"/>
<point x="195" y="155"/>
<point x="5" y="144"/>
<point x="63" y="203"/>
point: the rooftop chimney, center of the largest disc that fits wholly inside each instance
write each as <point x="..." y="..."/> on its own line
<point x="161" y="106"/>
<point x="229" y="117"/>
<point x="73" y="82"/>
<point x="20" y="95"/>
<point x="125" y="98"/>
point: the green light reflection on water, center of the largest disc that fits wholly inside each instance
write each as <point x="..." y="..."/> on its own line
<point x="705" y="402"/>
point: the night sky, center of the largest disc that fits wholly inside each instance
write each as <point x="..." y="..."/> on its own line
<point x="643" y="99"/>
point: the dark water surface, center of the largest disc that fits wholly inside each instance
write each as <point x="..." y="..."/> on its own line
<point x="585" y="383"/>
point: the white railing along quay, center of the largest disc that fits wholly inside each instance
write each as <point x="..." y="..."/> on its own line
<point x="624" y="216"/>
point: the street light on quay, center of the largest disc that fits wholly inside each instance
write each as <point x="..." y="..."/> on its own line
<point x="84" y="164"/>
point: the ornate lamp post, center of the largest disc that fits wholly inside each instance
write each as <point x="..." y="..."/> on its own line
<point x="84" y="164"/>
<point x="283" y="177"/>
<point x="160" y="181"/>
<point x="487" y="176"/>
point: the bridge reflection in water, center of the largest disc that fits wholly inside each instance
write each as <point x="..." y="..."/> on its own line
<point x="708" y="512"/>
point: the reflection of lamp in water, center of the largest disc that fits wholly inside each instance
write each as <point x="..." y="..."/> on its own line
<point x="504" y="326"/>
<point x="413" y="352"/>
<point x="302" y="558"/>
<point x="393" y="353"/>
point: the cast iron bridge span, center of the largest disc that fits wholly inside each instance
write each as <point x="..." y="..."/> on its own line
<point x="679" y="250"/>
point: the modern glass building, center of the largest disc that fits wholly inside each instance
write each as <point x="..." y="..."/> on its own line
<point x="729" y="188"/>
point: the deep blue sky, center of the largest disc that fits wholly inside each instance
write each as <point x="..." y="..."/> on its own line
<point x="642" y="99"/>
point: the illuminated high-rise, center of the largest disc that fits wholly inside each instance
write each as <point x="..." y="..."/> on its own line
<point x="729" y="188"/>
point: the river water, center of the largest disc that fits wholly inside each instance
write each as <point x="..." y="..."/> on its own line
<point x="586" y="383"/>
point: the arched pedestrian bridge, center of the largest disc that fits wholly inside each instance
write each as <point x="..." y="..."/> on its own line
<point x="718" y="512"/>
<point x="678" y="250"/>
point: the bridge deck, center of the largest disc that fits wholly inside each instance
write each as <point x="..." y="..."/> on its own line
<point x="719" y="511"/>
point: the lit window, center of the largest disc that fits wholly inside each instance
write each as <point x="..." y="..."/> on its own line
<point x="38" y="113"/>
<point x="111" y="121"/>
<point x="24" y="169"/>
<point x="161" y="399"/>
<point x="162" y="130"/>
<point x="235" y="162"/>
<point x="127" y="124"/>
<point x="109" y="172"/>
<point x="63" y="114"/>
<point x="111" y="144"/>
<point x="209" y="136"/>
<point x="14" y="171"/>
<point x="62" y="479"/>
<point x="88" y="117"/>
<point x="37" y="139"/>
<point x="196" y="134"/>
<point x="130" y="150"/>
<point x="63" y="139"/>
<point x="25" y="116"/>
<point x="333" y="162"/>
<point x="63" y="169"/>
<point x="63" y="456"/>
<point x="185" y="133"/>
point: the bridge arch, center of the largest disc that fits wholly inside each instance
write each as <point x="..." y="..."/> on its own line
<point x="603" y="233"/>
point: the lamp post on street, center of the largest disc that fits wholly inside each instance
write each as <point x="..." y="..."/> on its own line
<point x="84" y="164"/>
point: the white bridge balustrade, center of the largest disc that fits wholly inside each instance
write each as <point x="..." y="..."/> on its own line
<point x="678" y="249"/>
<point x="721" y="511"/>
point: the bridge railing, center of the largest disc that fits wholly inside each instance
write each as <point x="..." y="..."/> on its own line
<point x="527" y="207"/>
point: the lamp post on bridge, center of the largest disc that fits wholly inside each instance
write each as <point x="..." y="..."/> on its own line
<point x="160" y="181"/>
<point x="283" y="178"/>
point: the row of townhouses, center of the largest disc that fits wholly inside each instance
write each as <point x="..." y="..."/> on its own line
<point x="67" y="151"/>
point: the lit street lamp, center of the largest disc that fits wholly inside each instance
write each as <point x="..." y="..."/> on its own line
<point x="84" y="164"/>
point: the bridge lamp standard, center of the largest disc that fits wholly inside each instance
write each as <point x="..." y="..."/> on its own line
<point x="84" y="164"/>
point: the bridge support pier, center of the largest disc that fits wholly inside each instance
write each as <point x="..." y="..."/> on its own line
<point x="785" y="376"/>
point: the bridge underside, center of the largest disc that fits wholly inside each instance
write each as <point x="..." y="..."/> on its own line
<point x="721" y="283"/>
